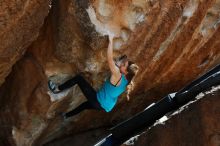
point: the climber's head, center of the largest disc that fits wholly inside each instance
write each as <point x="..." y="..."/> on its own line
<point x="127" y="67"/>
<point x="122" y="63"/>
<point x="124" y="67"/>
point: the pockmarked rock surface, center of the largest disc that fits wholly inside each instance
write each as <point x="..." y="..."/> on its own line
<point x="20" y="22"/>
<point x="172" y="42"/>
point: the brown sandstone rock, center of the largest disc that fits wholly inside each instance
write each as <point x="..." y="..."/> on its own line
<point x="20" y="22"/>
<point x="173" y="42"/>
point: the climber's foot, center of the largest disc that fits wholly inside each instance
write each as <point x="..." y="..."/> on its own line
<point x="53" y="87"/>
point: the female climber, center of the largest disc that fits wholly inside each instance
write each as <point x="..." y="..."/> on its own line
<point x="122" y="73"/>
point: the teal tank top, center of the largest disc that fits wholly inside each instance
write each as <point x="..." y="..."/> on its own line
<point x="108" y="94"/>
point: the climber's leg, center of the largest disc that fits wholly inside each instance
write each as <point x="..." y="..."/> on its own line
<point x="88" y="91"/>
<point x="81" y="107"/>
<point x="86" y="88"/>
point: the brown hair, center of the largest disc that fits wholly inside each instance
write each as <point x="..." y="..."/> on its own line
<point x="132" y="71"/>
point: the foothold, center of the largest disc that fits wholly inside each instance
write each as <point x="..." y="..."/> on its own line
<point x="118" y="42"/>
<point x="125" y="34"/>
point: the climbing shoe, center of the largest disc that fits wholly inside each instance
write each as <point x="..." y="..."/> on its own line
<point x="64" y="116"/>
<point x="53" y="87"/>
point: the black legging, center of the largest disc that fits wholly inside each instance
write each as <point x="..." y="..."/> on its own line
<point x="88" y="91"/>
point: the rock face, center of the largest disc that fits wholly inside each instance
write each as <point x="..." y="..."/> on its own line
<point x="173" y="42"/>
<point x="20" y="22"/>
<point x="196" y="125"/>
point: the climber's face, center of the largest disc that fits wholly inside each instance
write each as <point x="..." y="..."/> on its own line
<point x="124" y="66"/>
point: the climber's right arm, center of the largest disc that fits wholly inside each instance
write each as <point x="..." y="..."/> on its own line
<point x="114" y="69"/>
